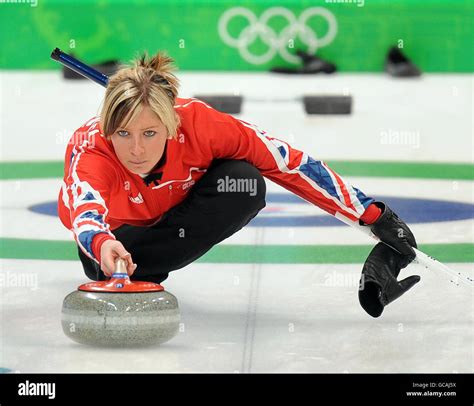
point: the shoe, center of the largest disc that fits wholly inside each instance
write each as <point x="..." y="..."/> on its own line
<point x="398" y="65"/>
<point x="311" y="64"/>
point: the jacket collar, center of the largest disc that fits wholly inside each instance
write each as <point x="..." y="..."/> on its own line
<point x="155" y="175"/>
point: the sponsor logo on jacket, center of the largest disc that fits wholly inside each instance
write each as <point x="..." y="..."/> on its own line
<point x="137" y="200"/>
<point x="187" y="185"/>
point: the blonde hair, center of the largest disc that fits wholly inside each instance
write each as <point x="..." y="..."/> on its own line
<point x="149" y="81"/>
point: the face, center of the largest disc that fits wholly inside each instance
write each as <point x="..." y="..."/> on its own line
<point x="140" y="146"/>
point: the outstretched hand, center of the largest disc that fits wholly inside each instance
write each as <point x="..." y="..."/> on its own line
<point x="109" y="252"/>
<point x="393" y="231"/>
<point x="379" y="285"/>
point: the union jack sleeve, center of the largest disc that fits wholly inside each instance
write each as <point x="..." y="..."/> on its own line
<point x="311" y="179"/>
<point x="85" y="193"/>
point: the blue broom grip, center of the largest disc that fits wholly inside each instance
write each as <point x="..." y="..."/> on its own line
<point x="80" y="67"/>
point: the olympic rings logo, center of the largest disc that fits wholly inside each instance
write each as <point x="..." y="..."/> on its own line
<point x="276" y="42"/>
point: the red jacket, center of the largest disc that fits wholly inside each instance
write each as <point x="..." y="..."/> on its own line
<point x="99" y="194"/>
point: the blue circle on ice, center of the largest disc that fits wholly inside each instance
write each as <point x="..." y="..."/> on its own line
<point x="280" y="211"/>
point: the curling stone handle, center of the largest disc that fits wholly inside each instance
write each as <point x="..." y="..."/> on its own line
<point x="120" y="269"/>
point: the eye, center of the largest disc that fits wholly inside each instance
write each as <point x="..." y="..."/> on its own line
<point x="122" y="133"/>
<point x="149" y="133"/>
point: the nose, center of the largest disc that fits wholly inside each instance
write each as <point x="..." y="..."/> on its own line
<point x="137" y="148"/>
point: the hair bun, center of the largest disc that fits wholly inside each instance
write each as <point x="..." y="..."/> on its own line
<point x="163" y="65"/>
<point x="159" y="62"/>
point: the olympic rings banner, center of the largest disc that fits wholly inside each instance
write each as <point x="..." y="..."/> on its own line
<point x="251" y="35"/>
<point x="274" y="41"/>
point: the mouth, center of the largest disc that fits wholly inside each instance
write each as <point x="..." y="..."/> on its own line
<point x="137" y="162"/>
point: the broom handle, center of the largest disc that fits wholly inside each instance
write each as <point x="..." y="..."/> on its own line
<point x="80" y="67"/>
<point x="421" y="258"/>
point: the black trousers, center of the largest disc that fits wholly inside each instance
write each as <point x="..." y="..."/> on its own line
<point x="213" y="211"/>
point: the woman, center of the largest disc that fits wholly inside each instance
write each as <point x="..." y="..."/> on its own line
<point x="159" y="180"/>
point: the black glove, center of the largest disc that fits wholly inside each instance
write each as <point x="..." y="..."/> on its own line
<point x="394" y="232"/>
<point x="378" y="283"/>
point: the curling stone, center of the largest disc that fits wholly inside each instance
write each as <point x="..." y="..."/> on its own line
<point x="119" y="312"/>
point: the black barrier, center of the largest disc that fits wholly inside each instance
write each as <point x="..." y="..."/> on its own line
<point x="312" y="104"/>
